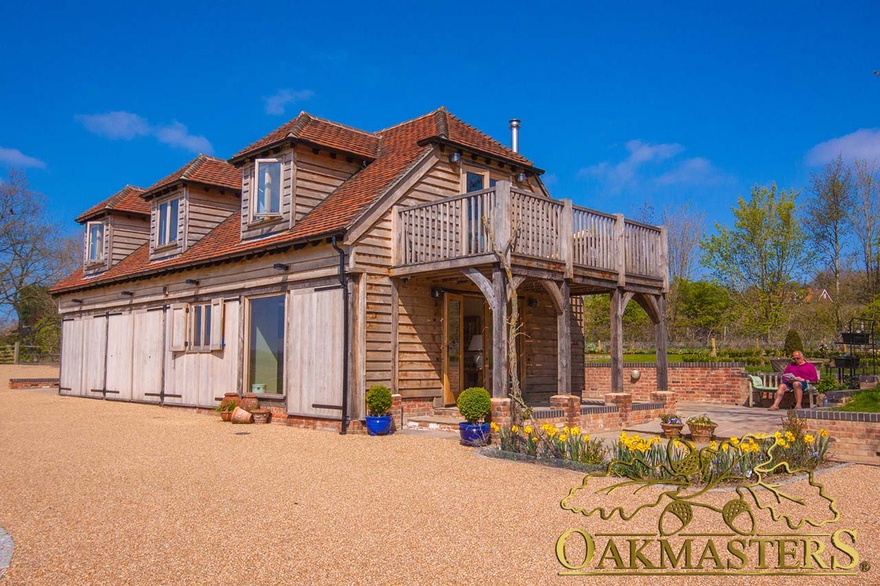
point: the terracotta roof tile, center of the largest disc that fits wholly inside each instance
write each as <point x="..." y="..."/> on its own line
<point x="128" y="200"/>
<point x="314" y="130"/>
<point x="399" y="150"/>
<point x="203" y="169"/>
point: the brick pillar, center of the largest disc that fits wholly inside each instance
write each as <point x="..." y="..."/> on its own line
<point x="624" y="402"/>
<point x="665" y="397"/>
<point x="570" y="405"/>
<point x="501" y="412"/>
<point x="396" y="412"/>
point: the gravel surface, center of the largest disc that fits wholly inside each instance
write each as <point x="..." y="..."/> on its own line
<point x="97" y="492"/>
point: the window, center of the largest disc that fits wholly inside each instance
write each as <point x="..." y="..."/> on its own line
<point x="266" y="345"/>
<point x="477" y="181"/>
<point x="197" y="327"/>
<point x="267" y="200"/>
<point x="95" y="242"/>
<point x="201" y="326"/>
<point x="166" y="232"/>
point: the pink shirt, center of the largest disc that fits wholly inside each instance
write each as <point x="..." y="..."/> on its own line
<point x="805" y="371"/>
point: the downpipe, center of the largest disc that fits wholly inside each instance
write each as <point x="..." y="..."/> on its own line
<point x="345" y="338"/>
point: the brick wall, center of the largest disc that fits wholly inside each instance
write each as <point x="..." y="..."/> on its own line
<point x="704" y="382"/>
<point x="855" y="437"/>
<point x="33" y="383"/>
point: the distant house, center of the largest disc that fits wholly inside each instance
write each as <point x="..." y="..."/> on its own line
<point x="817" y="295"/>
<point x="323" y="259"/>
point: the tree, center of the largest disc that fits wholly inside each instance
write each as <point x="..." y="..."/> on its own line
<point x="792" y="342"/>
<point x="864" y="219"/>
<point x="703" y="308"/>
<point x="828" y="214"/>
<point x="760" y="255"/>
<point x="684" y="231"/>
<point x="32" y="255"/>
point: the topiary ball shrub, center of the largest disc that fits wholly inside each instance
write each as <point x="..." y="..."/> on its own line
<point x="793" y="342"/>
<point x="378" y="400"/>
<point x="474" y="404"/>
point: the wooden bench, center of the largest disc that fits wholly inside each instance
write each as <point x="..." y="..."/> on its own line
<point x="765" y="391"/>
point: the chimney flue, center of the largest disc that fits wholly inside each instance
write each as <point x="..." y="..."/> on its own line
<point x="514" y="134"/>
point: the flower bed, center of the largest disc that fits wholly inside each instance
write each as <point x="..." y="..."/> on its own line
<point x="791" y="449"/>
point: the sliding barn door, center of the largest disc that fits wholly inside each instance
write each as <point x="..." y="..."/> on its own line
<point x="314" y="361"/>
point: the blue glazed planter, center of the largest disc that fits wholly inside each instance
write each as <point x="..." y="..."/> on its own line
<point x="380" y="425"/>
<point x="474" y="434"/>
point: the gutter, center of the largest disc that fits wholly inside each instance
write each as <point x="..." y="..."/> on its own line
<point x="345" y="341"/>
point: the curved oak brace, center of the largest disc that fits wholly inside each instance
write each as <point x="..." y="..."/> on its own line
<point x="649" y="304"/>
<point x="483" y="283"/>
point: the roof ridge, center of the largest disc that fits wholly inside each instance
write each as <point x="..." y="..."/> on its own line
<point x="339" y="124"/>
<point x="192" y="167"/>
<point x="440" y="124"/>
<point x="298" y="124"/>
<point x="431" y="113"/>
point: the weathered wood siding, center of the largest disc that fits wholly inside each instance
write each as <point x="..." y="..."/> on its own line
<point x="314" y="351"/>
<point x="126" y="234"/>
<point x="206" y="210"/>
<point x="148" y="339"/>
<point x="120" y="355"/>
<point x="420" y="372"/>
<point x="420" y="340"/>
<point x="70" y="377"/>
<point x="317" y="176"/>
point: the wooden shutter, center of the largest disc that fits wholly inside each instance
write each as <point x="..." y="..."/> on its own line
<point x="179" y="327"/>
<point x="217" y="342"/>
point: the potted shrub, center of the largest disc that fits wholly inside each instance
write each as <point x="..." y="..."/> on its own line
<point x="475" y="405"/>
<point x="671" y="424"/>
<point x="225" y="410"/>
<point x="702" y="428"/>
<point x="378" y="404"/>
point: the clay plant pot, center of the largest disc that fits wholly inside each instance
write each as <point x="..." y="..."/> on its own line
<point x="242" y="416"/>
<point x="261" y="415"/>
<point x="229" y="398"/>
<point x="702" y="433"/>
<point x="672" y="430"/>
<point x="226" y="415"/>
<point x="249" y="402"/>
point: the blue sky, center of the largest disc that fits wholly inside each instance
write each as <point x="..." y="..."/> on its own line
<point x="621" y="103"/>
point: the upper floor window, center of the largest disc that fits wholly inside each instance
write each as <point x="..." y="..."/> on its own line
<point x="95" y="243"/>
<point x="477" y="181"/>
<point x="167" y="222"/>
<point x="268" y="197"/>
<point x="201" y="326"/>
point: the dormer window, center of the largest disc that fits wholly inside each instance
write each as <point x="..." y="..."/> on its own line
<point x="478" y="181"/>
<point x="167" y="222"/>
<point x="267" y="202"/>
<point x="95" y="243"/>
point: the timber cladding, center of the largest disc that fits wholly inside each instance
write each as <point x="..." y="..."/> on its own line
<point x="722" y="383"/>
<point x="420" y="339"/>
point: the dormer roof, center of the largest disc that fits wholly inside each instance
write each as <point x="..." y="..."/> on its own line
<point x="313" y="131"/>
<point x="128" y="200"/>
<point x="203" y="170"/>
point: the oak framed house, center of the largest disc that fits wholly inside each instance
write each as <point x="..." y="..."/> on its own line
<point x="323" y="259"/>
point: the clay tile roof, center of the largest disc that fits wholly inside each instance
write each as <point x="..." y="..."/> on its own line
<point x="399" y="149"/>
<point x="317" y="131"/>
<point x="128" y="200"/>
<point x="203" y="169"/>
<point x="464" y="134"/>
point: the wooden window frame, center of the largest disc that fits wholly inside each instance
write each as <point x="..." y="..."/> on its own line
<point x="101" y="255"/>
<point x="257" y="218"/>
<point x="246" y="343"/>
<point x="168" y="243"/>
<point x="488" y="174"/>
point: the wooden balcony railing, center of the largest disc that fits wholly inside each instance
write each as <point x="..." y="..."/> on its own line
<point x="474" y="224"/>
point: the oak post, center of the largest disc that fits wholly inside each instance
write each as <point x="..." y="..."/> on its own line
<point x="660" y="336"/>
<point x="566" y="237"/>
<point x="616" y="348"/>
<point x="619" y="247"/>
<point x="499" y="332"/>
<point x="563" y="335"/>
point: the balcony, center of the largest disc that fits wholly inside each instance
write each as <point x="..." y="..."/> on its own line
<point x="552" y="237"/>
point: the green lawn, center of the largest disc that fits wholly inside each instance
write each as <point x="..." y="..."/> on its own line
<point x="865" y="402"/>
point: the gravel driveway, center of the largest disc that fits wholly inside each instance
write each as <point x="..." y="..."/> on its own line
<point x="96" y="492"/>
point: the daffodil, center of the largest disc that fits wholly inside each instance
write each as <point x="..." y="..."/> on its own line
<point x="575" y="431"/>
<point x="563" y="437"/>
<point x="734" y="441"/>
<point x="493" y="426"/>
<point x="780" y="441"/>
<point x="713" y="445"/>
<point x="528" y="429"/>
<point x="534" y="440"/>
<point x="823" y="433"/>
<point x="777" y="434"/>
<point x="809" y="438"/>
<point x="724" y="446"/>
<point x="586" y="438"/>
<point x="789" y="436"/>
<point x="514" y="428"/>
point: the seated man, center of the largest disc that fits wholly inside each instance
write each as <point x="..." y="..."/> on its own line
<point x="797" y="375"/>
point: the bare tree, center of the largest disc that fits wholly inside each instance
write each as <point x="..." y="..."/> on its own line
<point x="827" y="211"/>
<point x="33" y="252"/>
<point x="684" y="232"/>
<point x="864" y="219"/>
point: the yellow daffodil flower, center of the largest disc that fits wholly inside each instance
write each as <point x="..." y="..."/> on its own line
<point x="809" y="438"/>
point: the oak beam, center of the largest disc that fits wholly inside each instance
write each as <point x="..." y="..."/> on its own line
<point x="499" y="332"/>
<point x="661" y="341"/>
<point x="563" y="336"/>
<point x="484" y="285"/>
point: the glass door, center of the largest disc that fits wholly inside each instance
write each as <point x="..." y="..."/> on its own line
<point x="452" y="334"/>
